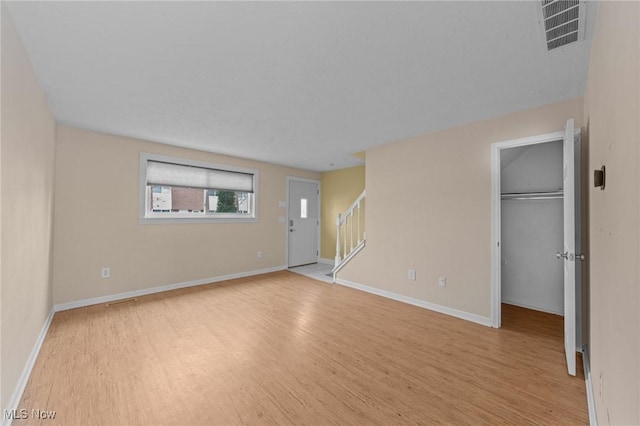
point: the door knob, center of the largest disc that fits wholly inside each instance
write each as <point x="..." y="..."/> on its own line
<point x="562" y="255"/>
<point x="291" y="230"/>
<point x="580" y="256"/>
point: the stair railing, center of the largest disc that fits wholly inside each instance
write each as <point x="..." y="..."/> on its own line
<point x="350" y="235"/>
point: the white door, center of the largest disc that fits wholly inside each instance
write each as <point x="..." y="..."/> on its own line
<point x="303" y="222"/>
<point x="569" y="254"/>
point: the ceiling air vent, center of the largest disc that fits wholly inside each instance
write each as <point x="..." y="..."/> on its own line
<point x="563" y="21"/>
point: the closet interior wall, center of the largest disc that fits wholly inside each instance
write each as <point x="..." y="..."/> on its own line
<point x="532" y="228"/>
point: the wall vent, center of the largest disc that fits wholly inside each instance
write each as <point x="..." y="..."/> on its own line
<point x="563" y="21"/>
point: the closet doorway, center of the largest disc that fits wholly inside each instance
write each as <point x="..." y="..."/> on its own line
<point x="537" y="231"/>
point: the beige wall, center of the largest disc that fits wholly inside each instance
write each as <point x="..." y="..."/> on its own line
<point x="339" y="189"/>
<point x="429" y="209"/>
<point x="612" y="115"/>
<point x="97" y="222"/>
<point x="27" y="171"/>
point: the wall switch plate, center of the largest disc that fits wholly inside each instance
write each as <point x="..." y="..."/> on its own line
<point x="105" y="272"/>
<point x="442" y="282"/>
<point x="411" y="274"/>
<point x="259" y="254"/>
<point x="282" y="204"/>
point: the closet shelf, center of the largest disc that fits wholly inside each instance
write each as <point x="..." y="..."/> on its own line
<point x="532" y="195"/>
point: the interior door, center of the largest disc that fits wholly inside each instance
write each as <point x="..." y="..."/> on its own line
<point x="569" y="255"/>
<point x="303" y="222"/>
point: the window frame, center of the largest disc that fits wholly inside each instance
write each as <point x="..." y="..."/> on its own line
<point x="145" y="218"/>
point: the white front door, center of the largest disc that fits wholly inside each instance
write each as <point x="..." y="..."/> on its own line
<point x="304" y="215"/>
<point x="569" y="254"/>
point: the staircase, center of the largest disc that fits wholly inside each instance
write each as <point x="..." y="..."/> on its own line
<point x="350" y="236"/>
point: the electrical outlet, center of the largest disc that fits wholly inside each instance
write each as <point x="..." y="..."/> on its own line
<point x="105" y="272"/>
<point x="259" y="254"/>
<point x="411" y="274"/>
<point x="442" y="282"/>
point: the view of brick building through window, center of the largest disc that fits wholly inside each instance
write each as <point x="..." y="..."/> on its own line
<point x="187" y="199"/>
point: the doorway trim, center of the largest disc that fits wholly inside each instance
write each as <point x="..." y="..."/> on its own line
<point x="496" y="224"/>
<point x="286" y="227"/>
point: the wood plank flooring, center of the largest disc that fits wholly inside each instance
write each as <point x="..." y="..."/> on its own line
<point x="285" y="349"/>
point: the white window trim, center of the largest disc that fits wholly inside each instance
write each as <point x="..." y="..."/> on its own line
<point x="159" y="218"/>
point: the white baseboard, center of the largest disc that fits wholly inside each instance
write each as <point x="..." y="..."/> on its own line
<point x="326" y="261"/>
<point x="534" y="308"/>
<point x="591" y="402"/>
<point x="26" y="371"/>
<point x="417" y="302"/>
<point x="152" y="290"/>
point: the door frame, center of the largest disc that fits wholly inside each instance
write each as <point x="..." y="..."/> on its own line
<point x="496" y="218"/>
<point x="286" y="227"/>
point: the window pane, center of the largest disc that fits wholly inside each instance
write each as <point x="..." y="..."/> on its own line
<point x="303" y="208"/>
<point x="187" y="200"/>
<point x="160" y="199"/>
<point x="220" y="202"/>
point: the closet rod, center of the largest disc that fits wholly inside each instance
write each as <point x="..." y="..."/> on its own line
<point x="532" y="195"/>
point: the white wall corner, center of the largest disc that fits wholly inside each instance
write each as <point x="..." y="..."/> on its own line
<point x="26" y="371"/>
<point x="417" y="302"/>
<point x="591" y="402"/>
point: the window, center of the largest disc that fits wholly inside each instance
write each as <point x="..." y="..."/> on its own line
<point x="175" y="190"/>
<point x="303" y="208"/>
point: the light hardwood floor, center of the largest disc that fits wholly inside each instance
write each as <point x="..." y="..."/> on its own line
<point x="285" y="349"/>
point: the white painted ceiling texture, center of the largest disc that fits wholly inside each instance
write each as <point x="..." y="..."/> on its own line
<point x="302" y="84"/>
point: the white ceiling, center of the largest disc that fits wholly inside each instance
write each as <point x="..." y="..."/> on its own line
<point x="304" y="84"/>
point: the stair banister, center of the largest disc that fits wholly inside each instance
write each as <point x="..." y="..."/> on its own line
<point x="347" y="221"/>
<point x="338" y="258"/>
